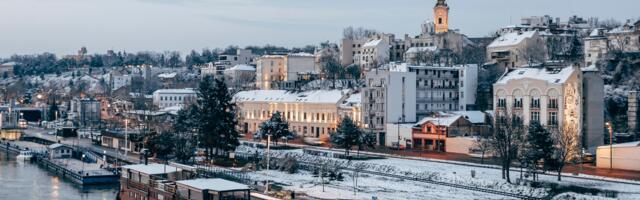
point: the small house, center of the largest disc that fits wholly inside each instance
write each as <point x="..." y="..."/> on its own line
<point x="57" y="151"/>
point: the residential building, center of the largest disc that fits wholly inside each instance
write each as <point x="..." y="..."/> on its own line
<point x="352" y="108"/>
<point x="595" y="47"/>
<point x="119" y="79"/>
<point x="593" y="107"/>
<point x="7" y="68"/>
<point x="310" y="113"/>
<point x="57" y="151"/>
<point x="373" y="54"/>
<point x="625" y="38"/>
<point x="551" y="96"/>
<point x="283" y="71"/>
<point x="173" y="97"/>
<point x="431" y="133"/>
<point x="240" y="77"/>
<point x="388" y="97"/>
<point x="516" y="48"/>
<point x="149" y="181"/>
<point x="129" y="140"/>
<point x="242" y="57"/>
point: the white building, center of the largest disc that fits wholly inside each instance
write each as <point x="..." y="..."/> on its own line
<point x="374" y="53"/>
<point x="516" y="48"/>
<point x="242" y="57"/>
<point x="240" y="76"/>
<point x="310" y="113"/>
<point x="282" y="71"/>
<point x="625" y="156"/>
<point x="173" y="97"/>
<point x="388" y="97"/>
<point x="595" y="47"/>
<point x="57" y="151"/>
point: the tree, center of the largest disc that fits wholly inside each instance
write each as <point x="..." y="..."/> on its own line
<point x="5" y="75"/>
<point x="506" y="138"/>
<point x="216" y="117"/>
<point x="534" y="52"/>
<point x="347" y="135"/>
<point x="537" y="149"/>
<point x="566" y="147"/>
<point x="276" y="127"/>
<point x="366" y="141"/>
<point x="333" y="70"/>
<point x="185" y="129"/>
<point x="162" y="145"/>
<point x="354" y="71"/>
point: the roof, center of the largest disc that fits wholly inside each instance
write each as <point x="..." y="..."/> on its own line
<point x="301" y="54"/>
<point x="242" y="68"/>
<point x="215" y="184"/>
<point x="476" y="117"/>
<point x="372" y="43"/>
<point x="152" y="169"/>
<point x="422" y="49"/>
<point x="283" y="96"/>
<point x="440" y="120"/>
<point x="58" y="145"/>
<point x="176" y="91"/>
<point x="167" y="75"/>
<point x="511" y="38"/>
<point x="9" y="64"/>
<point x="622" y="145"/>
<point x="590" y="68"/>
<point x="353" y="100"/>
<point x="557" y="76"/>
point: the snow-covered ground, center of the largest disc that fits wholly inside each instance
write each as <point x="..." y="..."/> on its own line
<point x="489" y="178"/>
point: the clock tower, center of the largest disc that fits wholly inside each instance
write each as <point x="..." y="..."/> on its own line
<point x="441" y="16"/>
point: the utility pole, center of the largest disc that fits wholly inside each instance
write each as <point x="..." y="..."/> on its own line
<point x="609" y="125"/>
<point x="266" y="190"/>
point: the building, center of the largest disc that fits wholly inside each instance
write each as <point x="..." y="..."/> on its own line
<point x="625" y="156"/>
<point x="151" y="182"/>
<point x="593" y="107"/>
<point x="7" y="69"/>
<point x="441" y="12"/>
<point x="595" y="47"/>
<point x="373" y="54"/>
<point x="129" y="141"/>
<point x="86" y="111"/>
<point x="310" y="114"/>
<point x="242" y="57"/>
<point x="431" y="133"/>
<point x="119" y="79"/>
<point x="215" y="188"/>
<point x="283" y="71"/>
<point x="173" y="97"/>
<point x="352" y="108"/>
<point x="240" y="77"/>
<point x="625" y="38"/>
<point x="388" y="97"/>
<point x="516" y="48"/>
<point x="58" y="150"/>
<point x="551" y="96"/>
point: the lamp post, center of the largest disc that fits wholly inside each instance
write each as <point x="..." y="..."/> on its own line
<point x="266" y="185"/>
<point x="82" y="159"/>
<point x="126" y="137"/>
<point x="609" y="126"/>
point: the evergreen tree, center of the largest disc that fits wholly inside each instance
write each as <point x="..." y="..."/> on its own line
<point x="216" y="117"/>
<point x="538" y="148"/>
<point x="184" y="127"/>
<point x="5" y="75"/>
<point x="162" y="145"/>
<point x="276" y="127"/>
<point x="347" y="135"/>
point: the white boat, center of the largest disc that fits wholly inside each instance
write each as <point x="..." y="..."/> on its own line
<point x="24" y="155"/>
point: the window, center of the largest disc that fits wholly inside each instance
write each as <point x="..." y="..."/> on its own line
<point x="502" y="103"/>
<point x="535" y="116"/>
<point x="517" y="103"/>
<point x="553" y="103"/>
<point x="553" y="118"/>
<point x="535" y="103"/>
<point x="440" y="20"/>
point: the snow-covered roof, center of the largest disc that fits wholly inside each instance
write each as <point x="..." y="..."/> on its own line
<point x="9" y="64"/>
<point x="622" y="145"/>
<point x="446" y="120"/>
<point x="554" y="76"/>
<point x="512" y="38"/>
<point x="57" y="145"/>
<point x="301" y="54"/>
<point x="175" y="91"/>
<point x="353" y="100"/>
<point x="214" y="184"/>
<point x="476" y="117"/>
<point x="422" y="49"/>
<point x="372" y="43"/>
<point x="283" y="96"/>
<point x="590" y="68"/>
<point x="152" y="169"/>
<point x="241" y="67"/>
<point x="167" y="75"/>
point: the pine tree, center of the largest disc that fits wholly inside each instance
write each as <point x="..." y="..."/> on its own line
<point x="216" y="117"/>
<point x="538" y="148"/>
<point x="347" y="135"/>
<point x="276" y="127"/>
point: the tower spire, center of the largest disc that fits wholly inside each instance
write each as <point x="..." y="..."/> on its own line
<point x="441" y="13"/>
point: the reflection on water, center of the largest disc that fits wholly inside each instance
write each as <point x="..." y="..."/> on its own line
<point x="24" y="180"/>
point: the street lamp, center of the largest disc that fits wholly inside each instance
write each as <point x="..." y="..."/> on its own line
<point x="82" y="159"/>
<point x="609" y="126"/>
<point x="266" y="189"/>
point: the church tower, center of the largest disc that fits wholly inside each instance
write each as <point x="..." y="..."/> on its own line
<point x="441" y="12"/>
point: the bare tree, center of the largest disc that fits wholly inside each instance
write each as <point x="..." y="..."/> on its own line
<point x="533" y="52"/>
<point x="566" y="146"/>
<point x="506" y="139"/>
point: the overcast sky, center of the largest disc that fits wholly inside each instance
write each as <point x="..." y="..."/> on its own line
<point x="63" y="26"/>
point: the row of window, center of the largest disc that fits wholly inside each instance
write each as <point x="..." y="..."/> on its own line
<point x="535" y="103"/>
<point x="291" y="116"/>
<point x="176" y="98"/>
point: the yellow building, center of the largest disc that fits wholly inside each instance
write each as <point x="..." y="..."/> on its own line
<point x="441" y="12"/>
<point x="310" y="113"/>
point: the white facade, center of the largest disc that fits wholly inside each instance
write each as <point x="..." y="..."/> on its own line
<point x="283" y="69"/>
<point x="119" y="81"/>
<point x="595" y="47"/>
<point x="173" y="97"/>
<point x="240" y="76"/>
<point x="242" y="57"/>
<point x="373" y="54"/>
<point x="625" y="156"/>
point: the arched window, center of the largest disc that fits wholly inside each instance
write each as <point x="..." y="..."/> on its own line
<point x="440" y="20"/>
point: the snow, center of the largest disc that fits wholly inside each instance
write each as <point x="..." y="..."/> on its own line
<point x="446" y="120"/>
<point x="621" y="145"/>
<point x="372" y="43"/>
<point x="575" y="196"/>
<point x="590" y="68"/>
<point x="283" y="96"/>
<point x="476" y="117"/>
<point x="512" y="38"/>
<point x="301" y="54"/>
<point x="538" y="74"/>
<point x="152" y="169"/>
<point x="354" y="100"/>
<point x="242" y="68"/>
<point x="167" y="75"/>
<point x="175" y="91"/>
<point x="215" y="184"/>
<point x="422" y="49"/>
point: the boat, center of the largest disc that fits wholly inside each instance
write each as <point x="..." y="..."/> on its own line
<point x="24" y="155"/>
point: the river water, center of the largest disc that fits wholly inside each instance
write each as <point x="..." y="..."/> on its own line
<point x="24" y="180"/>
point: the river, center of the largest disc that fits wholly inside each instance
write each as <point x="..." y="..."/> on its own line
<point x="24" y="180"/>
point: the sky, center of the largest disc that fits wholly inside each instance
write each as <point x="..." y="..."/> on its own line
<point x="63" y="26"/>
